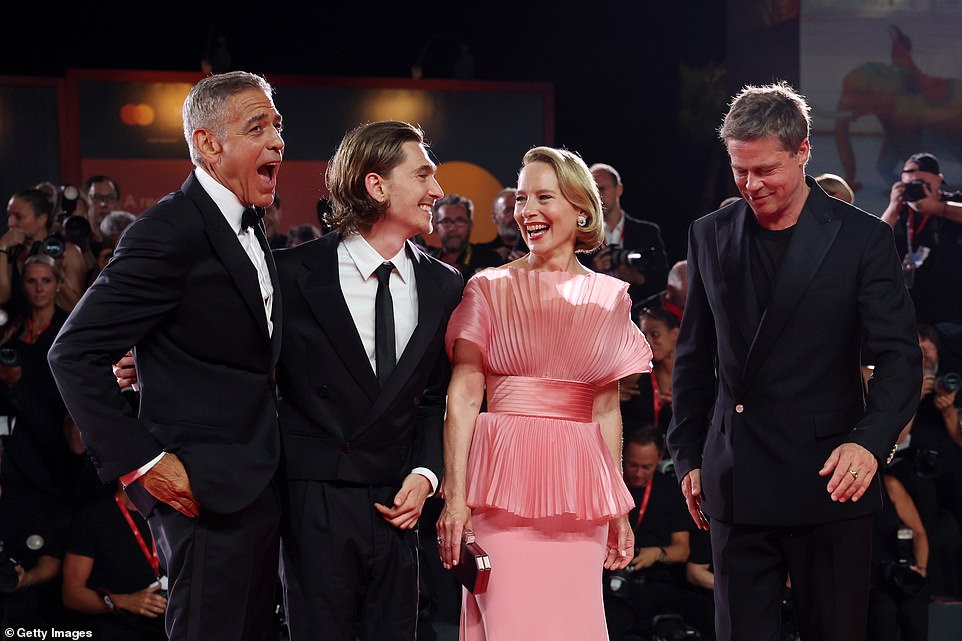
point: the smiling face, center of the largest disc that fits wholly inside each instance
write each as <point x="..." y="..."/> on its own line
<point x="769" y="178"/>
<point x="247" y="157"/>
<point x="410" y="190"/>
<point x="548" y="219"/>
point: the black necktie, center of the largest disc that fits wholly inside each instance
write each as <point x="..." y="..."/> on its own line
<point x="384" y="350"/>
<point x="251" y="216"/>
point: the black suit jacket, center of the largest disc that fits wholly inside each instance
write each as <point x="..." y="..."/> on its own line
<point x="337" y="424"/>
<point x="788" y="388"/>
<point x="183" y="291"/>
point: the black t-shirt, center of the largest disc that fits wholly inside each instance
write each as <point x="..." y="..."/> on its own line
<point x="768" y="251"/>
<point x="665" y="514"/>
<point x="101" y="533"/>
<point x="937" y="288"/>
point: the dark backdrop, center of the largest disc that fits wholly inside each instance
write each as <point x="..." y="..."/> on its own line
<point x="636" y="83"/>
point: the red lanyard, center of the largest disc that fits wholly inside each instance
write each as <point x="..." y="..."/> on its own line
<point x="150" y="555"/>
<point x="644" y="502"/>
<point x="911" y="231"/>
<point x="657" y="399"/>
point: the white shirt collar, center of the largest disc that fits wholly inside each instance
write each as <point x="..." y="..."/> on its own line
<point x="368" y="259"/>
<point x="224" y="198"/>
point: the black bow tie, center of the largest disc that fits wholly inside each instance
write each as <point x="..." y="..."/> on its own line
<point x="251" y="217"/>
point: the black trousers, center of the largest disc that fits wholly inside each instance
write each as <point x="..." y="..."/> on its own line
<point x="347" y="573"/>
<point x="222" y="570"/>
<point x="829" y="566"/>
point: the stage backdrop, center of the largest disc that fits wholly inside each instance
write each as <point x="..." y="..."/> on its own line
<point x="127" y="124"/>
<point x="884" y="80"/>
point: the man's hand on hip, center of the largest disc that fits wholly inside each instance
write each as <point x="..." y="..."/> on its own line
<point x="167" y="481"/>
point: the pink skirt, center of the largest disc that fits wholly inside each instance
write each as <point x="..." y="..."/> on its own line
<point x="545" y="579"/>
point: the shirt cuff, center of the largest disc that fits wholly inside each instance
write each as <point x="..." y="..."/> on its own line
<point x="130" y="477"/>
<point x="430" y="476"/>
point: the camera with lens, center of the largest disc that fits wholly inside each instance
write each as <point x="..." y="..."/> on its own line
<point x="636" y="258"/>
<point x="948" y="382"/>
<point x="672" y="627"/>
<point x="914" y="191"/>
<point x="9" y="356"/>
<point x="8" y="571"/>
<point x="898" y="574"/>
<point x="618" y="583"/>
<point x="52" y="246"/>
<point x="69" y="194"/>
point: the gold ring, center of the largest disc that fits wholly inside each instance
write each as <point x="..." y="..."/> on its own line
<point x="853" y="473"/>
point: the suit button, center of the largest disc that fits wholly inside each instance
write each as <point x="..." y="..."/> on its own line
<point x="739" y="408"/>
<point x="347" y="448"/>
<point x="322" y="391"/>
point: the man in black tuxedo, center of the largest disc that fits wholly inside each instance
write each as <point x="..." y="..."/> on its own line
<point x="192" y="285"/>
<point x="362" y="380"/>
<point x="773" y="441"/>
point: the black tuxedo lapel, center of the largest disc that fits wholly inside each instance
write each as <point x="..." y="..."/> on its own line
<point x="813" y="236"/>
<point x="320" y="284"/>
<point x="737" y="287"/>
<point x="228" y="248"/>
<point x="429" y="318"/>
<point x="276" y="307"/>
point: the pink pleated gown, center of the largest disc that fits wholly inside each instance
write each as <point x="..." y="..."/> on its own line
<point x="541" y="482"/>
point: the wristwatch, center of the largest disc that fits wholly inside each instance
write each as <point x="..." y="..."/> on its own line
<point x="662" y="555"/>
<point x="109" y="602"/>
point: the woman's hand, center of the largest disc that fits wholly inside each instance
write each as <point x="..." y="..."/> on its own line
<point x="621" y="543"/>
<point x="454" y="520"/>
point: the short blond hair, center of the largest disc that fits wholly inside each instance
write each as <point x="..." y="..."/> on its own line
<point x="578" y="187"/>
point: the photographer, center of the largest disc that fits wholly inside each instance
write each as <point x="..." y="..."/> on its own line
<point x="927" y="222"/>
<point x="899" y="596"/>
<point x="653" y="583"/>
<point x="633" y="250"/>
<point x="30" y="219"/>
<point x="112" y="573"/>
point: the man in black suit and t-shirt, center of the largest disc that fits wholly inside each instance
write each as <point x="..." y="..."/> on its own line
<point x="192" y="286"/>
<point x="774" y="442"/>
<point x="362" y="380"/>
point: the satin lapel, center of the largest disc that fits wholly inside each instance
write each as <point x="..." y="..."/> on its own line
<point x="277" y="308"/>
<point x="739" y="291"/>
<point x="319" y="283"/>
<point x="812" y="238"/>
<point x="430" y="309"/>
<point x="228" y="248"/>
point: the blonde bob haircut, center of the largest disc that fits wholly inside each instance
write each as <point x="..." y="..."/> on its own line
<point x="578" y="187"/>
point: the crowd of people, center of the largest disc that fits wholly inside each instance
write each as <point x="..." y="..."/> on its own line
<point x="265" y="456"/>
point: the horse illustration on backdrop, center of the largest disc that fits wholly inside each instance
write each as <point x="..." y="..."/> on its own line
<point x="917" y="112"/>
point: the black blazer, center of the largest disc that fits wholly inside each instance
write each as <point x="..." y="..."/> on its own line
<point x="182" y="290"/>
<point x="789" y="388"/>
<point x="645" y="236"/>
<point x="336" y="422"/>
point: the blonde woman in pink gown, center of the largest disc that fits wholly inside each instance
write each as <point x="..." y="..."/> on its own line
<point x="537" y="476"/>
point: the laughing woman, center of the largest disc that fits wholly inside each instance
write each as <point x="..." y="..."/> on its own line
<point x="537" y="476"/>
